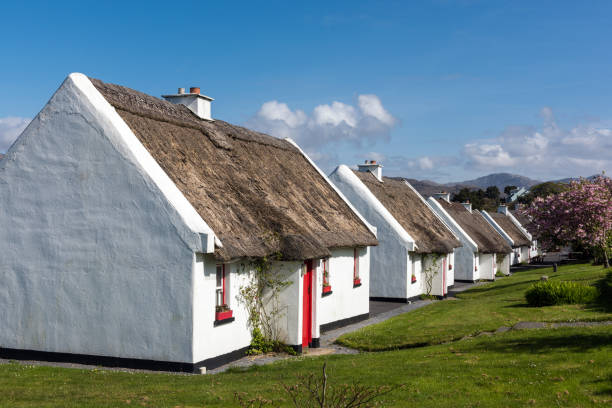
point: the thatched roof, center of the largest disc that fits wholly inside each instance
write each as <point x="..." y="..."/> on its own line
<point x="408" y="208"/>
<point x="474" y="224"/>
<point x="259" y="194"/>
<point x="525" y="222"/>
<point x="515" y="233"/>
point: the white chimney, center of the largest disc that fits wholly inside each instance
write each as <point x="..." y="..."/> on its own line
<point x="467" y="205"/>
<point x="502" y="209"/>
<point x="194" y="100"/>
<point x="372" y="167"/>
<point x="443" y="195"/>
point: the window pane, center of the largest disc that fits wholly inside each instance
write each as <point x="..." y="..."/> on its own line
<point x="219" y="276"/>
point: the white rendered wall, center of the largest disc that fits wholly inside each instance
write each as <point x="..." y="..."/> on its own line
<point x="414" y="264"/>
<point x="210" y="341"/>
<point x="438" y="286"/>
<point x="524" y="253"/>
<point x="487" y="266"/>
<point x="504" y="266"/>
<point x="390" y="272"/>
<point x="450" y="272"/>
<point x="345" y="301"/>
<point x="465" y="262"/>
<point x="95" y="259"/>
<point x="290" y="322"/>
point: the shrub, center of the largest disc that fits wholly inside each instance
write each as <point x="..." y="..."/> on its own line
<point x="548" y="293"/>
<point x="605" y="290"/>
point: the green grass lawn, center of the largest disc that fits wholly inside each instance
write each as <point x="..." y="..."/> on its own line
<point x="484" y="308"/>
<point x="541" y="368"/>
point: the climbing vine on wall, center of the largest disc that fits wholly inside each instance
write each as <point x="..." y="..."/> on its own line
<point x="261" y="299"/>
<point x="431" y="271"/>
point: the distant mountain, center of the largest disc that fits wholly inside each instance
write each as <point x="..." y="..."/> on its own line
<point x="502" y="180"/>
<point x="427" y="188"/>
<point x="570" y="179"/>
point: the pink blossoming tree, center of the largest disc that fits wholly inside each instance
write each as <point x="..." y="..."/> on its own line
<point x="583" y="214"/>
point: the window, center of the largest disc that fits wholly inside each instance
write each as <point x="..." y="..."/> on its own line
<point x="356" y="278"/>
<point x="220" y="292"/>
<point x="223" y="313"/>
<point x="326" y="285"/>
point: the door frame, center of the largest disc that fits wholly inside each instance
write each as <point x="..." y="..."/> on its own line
<point x="307" y="304"/>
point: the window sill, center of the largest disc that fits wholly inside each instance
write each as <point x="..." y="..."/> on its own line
<point x="224" y="321"/>
<point x="357" y="283"/>
<point x="326" y="292"/>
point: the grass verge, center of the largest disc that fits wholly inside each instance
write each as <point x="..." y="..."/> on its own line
<point x="481" y="309"/>
<point x="539" y="368"/>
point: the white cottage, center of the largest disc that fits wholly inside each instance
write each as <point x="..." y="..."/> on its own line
<point x="484" y="251"/>
<point x="528" y="228"/>
<point x="130" y="225"/>
<point x="510" y="229"/>
<point x="414" y="242"/>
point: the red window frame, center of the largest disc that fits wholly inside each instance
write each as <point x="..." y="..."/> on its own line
<point x="325" y="273"/>
<point x="222" y="283"/>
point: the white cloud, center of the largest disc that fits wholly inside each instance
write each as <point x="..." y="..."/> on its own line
<point x="546" y="152"/>
<point x="371" y="105"/>
<point x="335" y="114"/>
<point x="10" y="128"/>
<point x="328" y="126"/>
<point x="274" y="110"/>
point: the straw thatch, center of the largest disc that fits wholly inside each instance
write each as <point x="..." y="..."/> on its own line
<point x="515" y="233"/>
<point x="259" y="194"/>
<point x="405" y="204"/>
<point x="473" y="223"/>
<point x="525" y="222"/>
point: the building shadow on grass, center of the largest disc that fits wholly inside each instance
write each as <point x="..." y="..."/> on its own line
<point x="555" y="339"/>
<point x="496" y="288"/>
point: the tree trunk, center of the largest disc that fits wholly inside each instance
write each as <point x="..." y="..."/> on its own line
<point x="605" y="254"/>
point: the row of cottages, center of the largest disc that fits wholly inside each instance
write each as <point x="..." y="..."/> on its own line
<point x="506" y="225"/>
<point x="131" y="224"/>
<point x="416" y="251"/>
<point x="528" y="227"/>
<point x="484" y="251"/>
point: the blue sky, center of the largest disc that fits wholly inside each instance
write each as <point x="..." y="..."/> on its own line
<point x="442" y="90"/>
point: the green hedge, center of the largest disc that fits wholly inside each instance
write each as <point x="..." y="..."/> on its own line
<point x="550" y="293"/>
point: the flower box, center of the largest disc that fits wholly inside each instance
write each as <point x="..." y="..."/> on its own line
<point x="356" y="282"/>
<point x="450" y="267"/>
<point x="326" y="289"/>
<point x="227" y="314"/>
<point x="413" y="280"/>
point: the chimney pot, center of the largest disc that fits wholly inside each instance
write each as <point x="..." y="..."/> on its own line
<point x="196" y="102"/>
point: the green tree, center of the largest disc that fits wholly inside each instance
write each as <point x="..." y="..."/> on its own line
<point x="492" y="192"/>
<point x="543" y="190"/>
<point x="508" y="189"/>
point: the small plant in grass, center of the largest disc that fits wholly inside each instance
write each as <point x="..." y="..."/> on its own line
<point x="316" y="391"/>
<point x="549" y="293"/>
<point x="499" y="274"/>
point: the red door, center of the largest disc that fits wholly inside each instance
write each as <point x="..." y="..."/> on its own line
<point x="444" y="276"/>
<point x="307" y="307"/>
